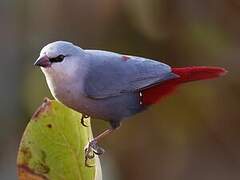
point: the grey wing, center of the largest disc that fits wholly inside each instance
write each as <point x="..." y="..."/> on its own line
<point x="113" y="76"/>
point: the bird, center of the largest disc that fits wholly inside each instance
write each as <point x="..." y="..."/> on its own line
<point x="111" y="86"/>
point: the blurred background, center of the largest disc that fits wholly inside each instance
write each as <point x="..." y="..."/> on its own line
<point x="193" y="134"/>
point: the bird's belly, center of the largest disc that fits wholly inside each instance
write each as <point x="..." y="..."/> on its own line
<point x="113" y="108"/>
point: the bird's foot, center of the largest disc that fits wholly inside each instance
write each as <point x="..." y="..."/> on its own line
<point x="91" y="150"/>
<point x="83" y="120"/>
<point x="92" y="146"/>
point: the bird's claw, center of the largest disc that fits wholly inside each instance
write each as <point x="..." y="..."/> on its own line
<point x="91" y="150"/>
<point x="92" y="146"/>
<point x="84" y="116"/>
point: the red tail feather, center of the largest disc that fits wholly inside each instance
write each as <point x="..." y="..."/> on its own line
<point x="186" y="74"/>
<point x="198" y="73"/>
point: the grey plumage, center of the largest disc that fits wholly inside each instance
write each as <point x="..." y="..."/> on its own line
<point x="102" y="84"/>
<point x="109" y="85"/>
<point x="113" y="74"/>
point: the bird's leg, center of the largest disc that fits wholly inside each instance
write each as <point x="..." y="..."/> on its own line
<point x="92" y="145"/>
<point x="84" y="116"/>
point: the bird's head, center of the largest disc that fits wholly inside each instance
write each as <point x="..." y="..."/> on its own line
<point x="59" y="58"/>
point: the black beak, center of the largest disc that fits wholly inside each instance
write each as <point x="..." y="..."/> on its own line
<point x="42" y="61"/>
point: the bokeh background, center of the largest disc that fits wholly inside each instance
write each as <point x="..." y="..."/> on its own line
<point x="194" y="134"/>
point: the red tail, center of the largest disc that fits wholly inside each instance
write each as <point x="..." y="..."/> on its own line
<point x="186" y="74"/>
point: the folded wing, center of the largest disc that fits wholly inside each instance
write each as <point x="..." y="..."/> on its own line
<point x="112" y="74"/>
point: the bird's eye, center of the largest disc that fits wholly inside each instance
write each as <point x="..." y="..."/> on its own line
<point x="57" y="59"/>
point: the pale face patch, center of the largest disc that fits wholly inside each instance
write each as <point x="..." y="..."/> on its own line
<point x="62" y="70"/>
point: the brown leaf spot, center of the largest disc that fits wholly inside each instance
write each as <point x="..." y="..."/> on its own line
<point x="25" y="173"/>
<point x="41" y="168"/>
<point x="43" y="108"/>
<point x="26" y="154"/>
<point x="49" y="126"/>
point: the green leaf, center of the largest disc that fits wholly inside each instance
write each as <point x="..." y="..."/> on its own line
<point x="52" y="146"/>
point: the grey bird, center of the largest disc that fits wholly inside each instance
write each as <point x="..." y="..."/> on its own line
<point x="108" y="85"/>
